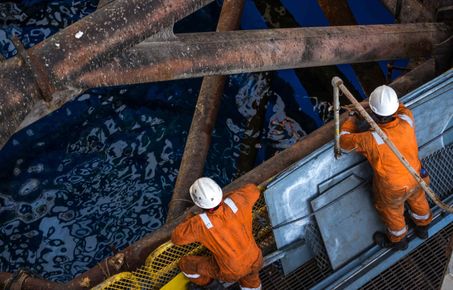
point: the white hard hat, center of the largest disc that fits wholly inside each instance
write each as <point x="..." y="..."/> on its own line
<point x="384" y="101"/>
<point x="206" y="193"/>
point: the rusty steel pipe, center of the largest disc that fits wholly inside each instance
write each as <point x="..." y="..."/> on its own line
<point x="51" y="65"/>
<point x="421" y="74"/>
<point x="220" y="53"/>
<point x="136" y="253"/>
<point x="205" y="115"/>
<point x="320" y="49"/>
<point x="88" y="43"/>
<point x="308" y="77"/>
<point x="30" y="283"/>
<point x="338" y="13"/>
<point x="411" y="11"/>
<point x="18" y="95"/>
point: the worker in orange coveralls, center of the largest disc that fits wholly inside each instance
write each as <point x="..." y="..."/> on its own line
<point x="225" y="228"/>
<point x="393" y="185"/>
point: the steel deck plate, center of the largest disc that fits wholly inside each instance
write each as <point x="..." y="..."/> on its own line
<point x="346" y="219"/>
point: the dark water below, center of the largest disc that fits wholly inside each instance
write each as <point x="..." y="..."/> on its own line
<point x="98" y="173"/>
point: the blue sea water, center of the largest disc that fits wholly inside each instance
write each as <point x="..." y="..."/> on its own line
<point x="97" y="175"/>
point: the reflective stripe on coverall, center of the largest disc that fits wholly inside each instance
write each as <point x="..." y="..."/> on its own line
<point x="392" y="182"/>
<point x="227" y="233"/>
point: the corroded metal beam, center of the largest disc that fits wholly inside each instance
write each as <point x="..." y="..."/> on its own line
<point x="100" y="36"/>
<point x="434" y="5"/>
<point x="339" y="13"/>
<point x="419" y="75"/>
<point x="410" y="11"/>
<point x="276" y="15"/>
<point x="51" y="65"/>
<point x="18" y="95"/>
<point x="205" y="115"/>
<point x="194" y="55"/>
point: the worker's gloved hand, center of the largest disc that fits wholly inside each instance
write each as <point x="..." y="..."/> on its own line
<point x="351" y="111"/>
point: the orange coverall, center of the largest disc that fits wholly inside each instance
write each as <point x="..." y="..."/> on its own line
<point x="392" y="182"/>
<point x="227" y="233"/>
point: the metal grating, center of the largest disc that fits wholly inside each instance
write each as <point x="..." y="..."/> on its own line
<point x="422" y="269"/>
<point x="440" y="168"/>
<point x="305" y="277"/>
<point x="314" y="239"/>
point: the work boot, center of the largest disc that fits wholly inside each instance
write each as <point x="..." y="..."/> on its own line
<point x="193" y="286"/>
<point x="383" y="241"/>
<point x="421" y="232"/>
<point x="214" y="285"/>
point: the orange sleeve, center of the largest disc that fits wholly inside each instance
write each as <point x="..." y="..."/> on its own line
<point x="185" y="233"/>
<point x="349" y="139"/>
<point x="349" y="125"/>
<point x="252" y="193"/>
<point x="249" y="194"/>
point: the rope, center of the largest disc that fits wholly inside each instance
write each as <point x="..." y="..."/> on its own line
<point x="336" y="81"/>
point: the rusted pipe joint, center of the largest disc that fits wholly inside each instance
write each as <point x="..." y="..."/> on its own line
<point x="16" y="281"/>
<point x="24" y="57"/>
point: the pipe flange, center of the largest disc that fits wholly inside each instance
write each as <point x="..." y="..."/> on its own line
<point x="17" y="279"/>
<point x="23" y="55"/>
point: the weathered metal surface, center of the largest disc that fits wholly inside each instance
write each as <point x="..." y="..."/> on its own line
<point x="205" y="115"/>
<point x="447" y="281"/>
<point x="445" y="14"/>
<point x="193" y="55"/>
<point x="98" y="37"/>
<point x="346" y="216"/>
<point x="418" y="76"/>
<point x="411" y="11"/>
<point x="30" y="283"/>
<point x="17" y="97"/>
<point x="376" y="260"/>
<point x="245" y="51"/>
<point x="288" y="197"/>
<point x="276" y="15"/>
<point x="103" y="3"/>
<point x="339" y="13"/>
<point x="82" y="46"/>
<point x="433" y="5"/>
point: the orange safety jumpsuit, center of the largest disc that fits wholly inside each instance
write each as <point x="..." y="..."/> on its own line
<point x="227" y="233"/>
<point x="392" y="182"/>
